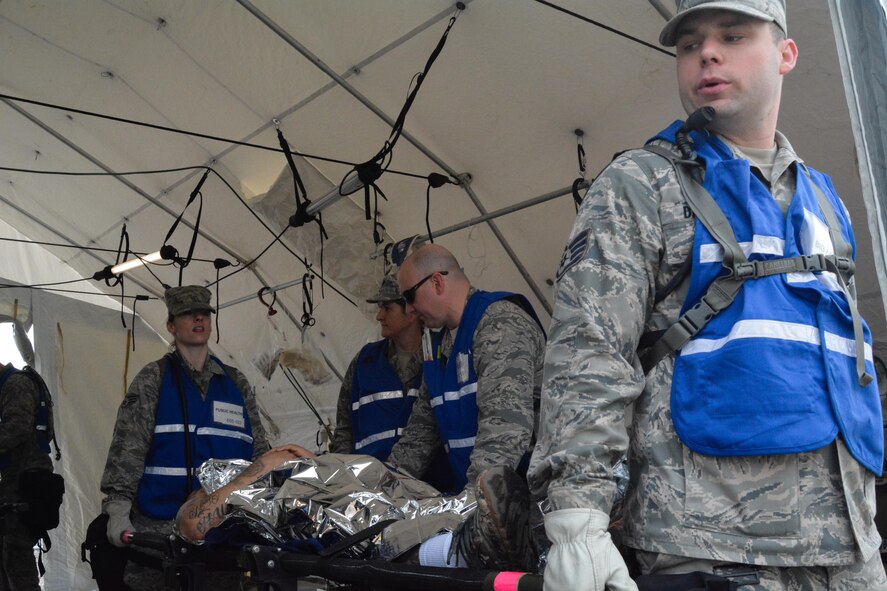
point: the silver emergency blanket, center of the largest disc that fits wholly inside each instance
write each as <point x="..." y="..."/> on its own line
<point x="342" y="494"/>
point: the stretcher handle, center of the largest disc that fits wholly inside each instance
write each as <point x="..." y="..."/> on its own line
<point x="512" y="581"/>
<point x="407" y="577"/>
<point x="144" y="539"/>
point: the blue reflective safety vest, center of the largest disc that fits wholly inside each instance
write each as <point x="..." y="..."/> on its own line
<point x="218" y="427"/>
<point x="773" y="373"/>
<point x="380" y="408"/>
<point x="41" y="422"/>
<point x="453" y="397"/>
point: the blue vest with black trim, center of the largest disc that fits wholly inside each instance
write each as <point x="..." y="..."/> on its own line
<point x="380" y="408"/>
<point x="454" y="400"/>
<point x="219" y="427"/>
<point x="41" y="421"/>
<point x="774" y="373"/>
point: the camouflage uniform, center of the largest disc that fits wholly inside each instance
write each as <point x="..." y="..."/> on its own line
<point x="405" y="365"/>
<point x="632" y="233"/>
<point x="131" y="441"/>
<point x="508" y="347"/>
<point x="19" y="402"/>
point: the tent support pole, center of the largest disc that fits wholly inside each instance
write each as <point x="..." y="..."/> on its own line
<point x="295" y="44"/>
<point x="501" y="212"/>
<point x="661" y="9"/>
<point x="268" y="291"/>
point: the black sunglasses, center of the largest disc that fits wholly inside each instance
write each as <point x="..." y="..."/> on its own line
<point x="410" y="294"/>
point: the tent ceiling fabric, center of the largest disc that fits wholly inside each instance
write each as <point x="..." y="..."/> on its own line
<point x="501" y="103"/>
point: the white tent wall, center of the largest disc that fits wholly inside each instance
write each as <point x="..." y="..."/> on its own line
<point x="861" y="31"/>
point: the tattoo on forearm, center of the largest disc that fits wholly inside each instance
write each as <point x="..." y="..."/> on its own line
<point x="207" y="511"/>
<point x="255" y="469"/>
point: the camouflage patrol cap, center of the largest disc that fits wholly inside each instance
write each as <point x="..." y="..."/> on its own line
<point x="187" y="298"/>
<point x="766" y="10"/>
<point x="388" y="291"/>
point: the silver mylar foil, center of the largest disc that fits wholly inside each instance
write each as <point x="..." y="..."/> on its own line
<point x="341" y="494"/>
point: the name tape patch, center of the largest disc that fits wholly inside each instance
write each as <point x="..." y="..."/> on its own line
<point x="228" y="414"/>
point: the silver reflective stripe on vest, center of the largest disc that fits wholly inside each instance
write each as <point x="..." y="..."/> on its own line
<point x="773" y="245"/>
<point x="161" y="471"/>
<point x="377" y="396"/>
<point x="457" y="443"/>
<point x="773" y="329"/>
<point x="377" y="437"/>
<point x="846" y="346"/>
<point x="216" y="432"/>
<point x="175" y="428"/>
<point x="465" y="390"/>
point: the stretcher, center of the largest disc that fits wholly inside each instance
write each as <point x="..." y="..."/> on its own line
<point x="273" y="568"/>
<point x="278" y="569"/>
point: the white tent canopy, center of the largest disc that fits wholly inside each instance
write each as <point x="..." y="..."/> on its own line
<point x="497" y="113"/>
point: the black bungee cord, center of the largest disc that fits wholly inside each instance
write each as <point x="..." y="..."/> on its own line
<point x="369" y="172"/>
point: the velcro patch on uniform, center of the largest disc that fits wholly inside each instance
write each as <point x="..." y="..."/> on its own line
<point x="573" y="253"/>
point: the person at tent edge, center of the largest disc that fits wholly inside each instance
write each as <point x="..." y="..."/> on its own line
<point x="26" y="419"/>
<point x="151" y="464"/>
<point x="773" y="474"/>
<point x="382" y="383"/>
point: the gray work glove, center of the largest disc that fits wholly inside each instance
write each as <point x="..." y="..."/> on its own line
<point x="118" y="520"/>
<point x="582" y="555"/>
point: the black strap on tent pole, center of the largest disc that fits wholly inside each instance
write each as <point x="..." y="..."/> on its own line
<point x="427" y="215"/>
<point x="377" y="225"/>
<point x="580" y="154"/>
<point x="124" y="239"/>
<point x="298" y="186"/>
<point x="118" y="279"/>
<point x="302" y="202"/>
<point x="307" y="301"/>
<point x="301" y="216"/>
<point x="435" y="181"/>
<point x="172" y="254"/>
<point x="322" y="235"/>
<point x="370" y="171"/>
<point x="219" y="264"/>
<point x="138" y="298"/>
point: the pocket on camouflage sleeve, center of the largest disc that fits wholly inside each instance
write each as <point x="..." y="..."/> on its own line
<point x="678" y="226"/>
<point x="754" y="496"/>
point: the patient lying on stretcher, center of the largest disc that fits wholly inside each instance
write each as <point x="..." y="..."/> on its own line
<point x="288" y="495"/>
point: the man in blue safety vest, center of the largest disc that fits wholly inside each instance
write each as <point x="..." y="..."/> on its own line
<point x="482" y="373"/>
<point x="742" y="390"/>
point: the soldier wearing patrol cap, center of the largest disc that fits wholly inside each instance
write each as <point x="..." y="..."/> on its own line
<point x="753" y="431"/>
<point x="381" y="383"/>
<point x="152" y="459"/>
